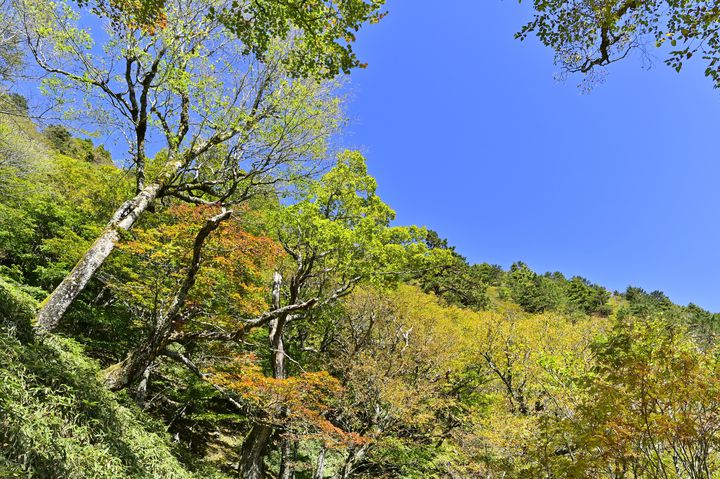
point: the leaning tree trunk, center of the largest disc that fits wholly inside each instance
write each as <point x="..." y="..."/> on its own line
<point x="129" y="370"/>
<point x="53" y="308"/>
<point x="62" y="297"/>
<point x="132" y="368"/>
<point x="252" y="462"/>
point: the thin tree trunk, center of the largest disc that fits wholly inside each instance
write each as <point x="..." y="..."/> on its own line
<point x="286" y="466"/>
<point x="354" y="456"/>
<point x="275" y="333"/>
<point x="320" y="469"/>
<point x="253" y="454"/>
<point x="62" y="297"/>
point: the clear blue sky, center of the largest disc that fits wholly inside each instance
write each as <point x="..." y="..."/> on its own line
<point x="469" y="133"/>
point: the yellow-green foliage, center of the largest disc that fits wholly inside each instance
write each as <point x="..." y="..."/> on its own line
<point x="51" y="206"/>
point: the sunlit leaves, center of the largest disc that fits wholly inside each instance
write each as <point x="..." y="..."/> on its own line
<point x="588" y="35"/>
<point x="230" y="282"/>
<point x="322" y="31"/>
<point x="299" y="404"/>
<point x="343" y="225"/>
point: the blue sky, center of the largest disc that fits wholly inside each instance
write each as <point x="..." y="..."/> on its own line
<point x="469" y="133"/>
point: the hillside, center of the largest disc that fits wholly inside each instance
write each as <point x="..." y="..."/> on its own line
<point x="432" y="368"/>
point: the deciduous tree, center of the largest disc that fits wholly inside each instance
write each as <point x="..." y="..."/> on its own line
<point x="228" y="121"/>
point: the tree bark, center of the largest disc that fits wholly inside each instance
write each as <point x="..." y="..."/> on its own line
<point x="253" y="454"/>
<point x="275" y="333"/>
<point x="355" y="454"/>
<point x="252" y="462"/>
<point x="123" y="219"/>
<point x="132" y="368"/>
<point x="141" y="394"/>
<point x="286" y="466"/>
<point x="62" y="297"/>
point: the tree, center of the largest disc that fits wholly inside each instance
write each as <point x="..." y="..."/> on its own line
<point x="532" y="292"/>
<point x="452" y="278"/>
<point x="61" y="140"/>
<point x="229" y="121"/>
<point x="587" y="35"/>
<point x="11" y="62"/>
<point x="587" y="297"/>
<point x="399" y="353"/>
<point x="536" y="362"/>
<point x="336" y="235"/>
<point x="323" y="31"/>
<point x="10" y="53"/>
<point x="51" y="206"/>
<point x="651" y="409"/>
<point x="198" y="269"/>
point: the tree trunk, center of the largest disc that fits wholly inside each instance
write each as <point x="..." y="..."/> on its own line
<point x="286" y="466"/>
<point x="255" y="445"/>
<point x="132" y="368"/>
<point x="320" y="470"/>
<point x="123" y="219"/>
<point x="62" y="297"/>
<point x="275" y="331"/>
<point x="126" y="372"/>
<point x="355" y="455"/>
<point x="142" y="389"/>
<point x="252" y="460"/>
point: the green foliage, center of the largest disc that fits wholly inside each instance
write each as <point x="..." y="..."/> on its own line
<point x="14" y="104"/>
<point x="51" y="205"/>
<point x="532" y="292"/>
<point x="323" y="30"/>
<point x="11" y="55"/>
<point x="403" y="360"/>
<point x="341" y="225"/>
<point x="645" y="304"/>
<point x="58" y="421"/>
<point x="489" y="274"/>
<point x="587" y="297"/>
<point x="651" y="406"/>
<point x="589" y="35"/>
<point x="17" y="310"/>
<point x="452" y="278"/>
<point x="63" y="142"/>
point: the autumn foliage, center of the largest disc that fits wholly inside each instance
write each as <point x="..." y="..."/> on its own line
<point x="231" y="282"/>
<point x="299" y="405"/>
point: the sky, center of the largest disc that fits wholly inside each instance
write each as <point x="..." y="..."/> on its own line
<point x="469" y="132"/>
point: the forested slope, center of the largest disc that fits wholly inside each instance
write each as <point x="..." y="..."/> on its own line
<point x="398" y="358"/>
<point x="58" y="420"/>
